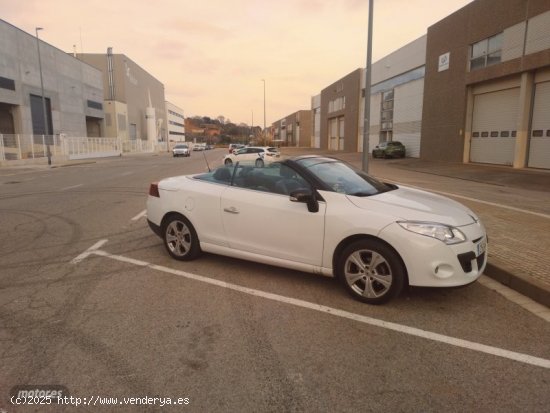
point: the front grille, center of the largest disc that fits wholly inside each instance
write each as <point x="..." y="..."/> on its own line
<point x="466" y="259"/>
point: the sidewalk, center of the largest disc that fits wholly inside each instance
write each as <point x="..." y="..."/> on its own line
<point x="514" y="205"/>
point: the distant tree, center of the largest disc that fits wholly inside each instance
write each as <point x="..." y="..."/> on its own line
<point x="221" y="119"/>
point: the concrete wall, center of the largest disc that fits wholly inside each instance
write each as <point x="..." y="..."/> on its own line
<point x="68" y="83"/>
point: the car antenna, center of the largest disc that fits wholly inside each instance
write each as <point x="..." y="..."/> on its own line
<point x="206" y="160"/>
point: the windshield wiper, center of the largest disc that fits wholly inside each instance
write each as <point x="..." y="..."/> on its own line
<point x="361" y="193"/>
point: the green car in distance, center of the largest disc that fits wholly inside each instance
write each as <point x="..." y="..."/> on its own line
<point x="391" y="149"/>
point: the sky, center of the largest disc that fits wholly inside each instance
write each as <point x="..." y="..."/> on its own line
<point x="211" y="55"/>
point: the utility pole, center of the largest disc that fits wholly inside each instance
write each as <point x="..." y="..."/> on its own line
<point x="366" y="117"/>
<point x="265" y="136"/>
<point x="45" y="130"/>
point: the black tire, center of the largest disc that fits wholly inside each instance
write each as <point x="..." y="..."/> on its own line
<point x="372" y="285"/>
<point x="228" y="162"/>
<point x="259" y="163"/>
<point x="180" y="238"/>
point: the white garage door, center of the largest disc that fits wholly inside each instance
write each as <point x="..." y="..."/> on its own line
<point x="539" y="145"/>
<point x="494" y="127"/>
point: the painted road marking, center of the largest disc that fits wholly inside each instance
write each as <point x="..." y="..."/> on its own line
<point x="538" y="214"/>
<point x="89" y="251"/>
<point x="140" y="215"/>
<point x="469" y="345"/>
<point x="71" y="187"/>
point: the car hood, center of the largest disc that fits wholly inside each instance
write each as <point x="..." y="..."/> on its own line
<point x="417" y="205"/>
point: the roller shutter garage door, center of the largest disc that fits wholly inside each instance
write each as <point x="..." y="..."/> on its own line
<point x="494" y="127"/>
<point x="539" y="144"/>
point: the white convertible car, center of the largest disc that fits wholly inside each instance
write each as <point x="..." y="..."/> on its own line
<point x="324" y="217"/>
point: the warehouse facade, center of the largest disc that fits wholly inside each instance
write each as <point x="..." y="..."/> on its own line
<point x="487" y="85"/>
<point x="73" y="90"/>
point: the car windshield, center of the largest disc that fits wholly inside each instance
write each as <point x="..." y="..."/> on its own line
<point x="181" y="146"/>
<point x="342" y="178"/>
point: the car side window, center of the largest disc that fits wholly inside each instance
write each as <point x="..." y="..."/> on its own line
<point x="220" y="175"/>
<point x="276" y="178"/>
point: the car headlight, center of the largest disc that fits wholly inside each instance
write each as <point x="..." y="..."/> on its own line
<point x="445" y="233"/>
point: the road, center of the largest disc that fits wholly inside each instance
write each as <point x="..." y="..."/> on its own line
<point x="125" y="320"/>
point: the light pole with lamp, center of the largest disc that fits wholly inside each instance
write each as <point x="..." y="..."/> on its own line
<point x="366" y="115"/>
<point x="45" y="130"/>
<point x="265" y="136"/>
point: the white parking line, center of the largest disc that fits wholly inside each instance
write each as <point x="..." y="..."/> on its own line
<point x="525" y="211"/>
<point x="89" y="251"/>
<point x="71" y="187"/>
<point x="469" y="345"/>
<point x="140" y="215"/>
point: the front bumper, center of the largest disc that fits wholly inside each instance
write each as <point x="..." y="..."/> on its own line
<point x="432" y="263"/>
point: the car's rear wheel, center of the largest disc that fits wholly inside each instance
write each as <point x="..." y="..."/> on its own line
<point x="228" y="162"/>
<point x="180" y="238"/>
<point x="259" y="163"/>
<point x="371" y="271"/>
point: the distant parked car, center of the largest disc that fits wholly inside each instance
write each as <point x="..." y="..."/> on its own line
<point x="181" y="149"/>
<point x="391" y="149"/>
<point x="234" y="147"/>
<point x="199" y="147"/>
<point x="260" y="155"/>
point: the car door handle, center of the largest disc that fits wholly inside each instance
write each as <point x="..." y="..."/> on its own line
<point x="231" y="210"/>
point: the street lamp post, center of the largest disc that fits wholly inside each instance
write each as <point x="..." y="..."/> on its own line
<point x="366" y="115"/>
<point x="45" y="130"/>
<point x="265" y="136"/>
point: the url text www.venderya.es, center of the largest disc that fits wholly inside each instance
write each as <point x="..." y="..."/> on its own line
<point x="101" y="401"/>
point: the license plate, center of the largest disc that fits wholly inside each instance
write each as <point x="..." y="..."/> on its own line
<point x="481" y="246"/>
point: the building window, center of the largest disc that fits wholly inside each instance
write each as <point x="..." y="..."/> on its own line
<point x="337" y="104"/>
<point x="95" y="105"/>
<point x="6" y="83"/>
<point x="487" y="52"/>
<point x="386" y="111"/>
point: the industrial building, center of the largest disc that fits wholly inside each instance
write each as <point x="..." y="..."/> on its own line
<point x="72" y="89"/>
<point x="293" y="130"/>
<point x="135" y="106"/>
<point x="487" y="85"/>
<point x="176" y="123"/>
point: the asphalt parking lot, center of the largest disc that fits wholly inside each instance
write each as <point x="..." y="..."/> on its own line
<point x="90" y="300"/>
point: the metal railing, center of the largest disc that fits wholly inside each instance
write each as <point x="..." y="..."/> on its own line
<point x="22" y="147"/>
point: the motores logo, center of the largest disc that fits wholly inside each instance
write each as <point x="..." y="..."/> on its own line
<point x="38" y="392"/>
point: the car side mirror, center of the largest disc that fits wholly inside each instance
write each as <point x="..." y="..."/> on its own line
<point x="306" y="196"/>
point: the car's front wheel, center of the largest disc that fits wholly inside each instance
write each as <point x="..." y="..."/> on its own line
<point x="180" y="238"/>
<point x="259" y="163"/>
<point x="371" y="271"/>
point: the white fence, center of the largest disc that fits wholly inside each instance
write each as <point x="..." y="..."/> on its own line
<point x="27" y="147"/>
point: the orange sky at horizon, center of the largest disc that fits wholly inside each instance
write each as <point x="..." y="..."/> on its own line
<point x="211" y="56"/>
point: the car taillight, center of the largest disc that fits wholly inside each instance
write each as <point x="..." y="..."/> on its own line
<point x="154" y="189"/>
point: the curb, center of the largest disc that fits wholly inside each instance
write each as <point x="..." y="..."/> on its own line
<point x="531" y="288"/>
